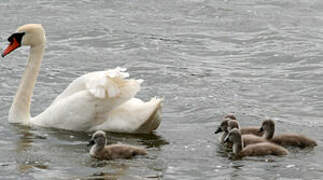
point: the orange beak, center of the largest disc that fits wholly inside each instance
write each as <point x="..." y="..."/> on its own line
<point x="12" y="46"/>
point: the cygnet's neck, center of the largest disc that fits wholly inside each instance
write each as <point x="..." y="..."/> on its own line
<point x="98" y="146"/>
<point x="224" y="135"/>
<point x="269" y="133"/>
<point x="94" y="149"/>
<point x="237" y="146"/>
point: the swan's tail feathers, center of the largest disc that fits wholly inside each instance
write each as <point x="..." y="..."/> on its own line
<point x="154" y="119"/>
<point x="113" y="83"/>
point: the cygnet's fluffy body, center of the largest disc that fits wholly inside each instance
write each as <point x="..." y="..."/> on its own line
<point x="296" y="140"/>
<point x="102" y="151"/>
<point x="247" y="138"/>
<point x="228" y="124"/>
<point x="259" y="149"/>
<point x="245" y="130"/>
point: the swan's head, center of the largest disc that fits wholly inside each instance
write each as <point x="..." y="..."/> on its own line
<point x="267" y="125"/>
<point x="233" y="136"/>
<point x="99" y="138"/>
<point x="28" y="35"/>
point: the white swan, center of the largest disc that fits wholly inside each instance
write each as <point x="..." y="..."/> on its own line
<point x="95" y="101"/>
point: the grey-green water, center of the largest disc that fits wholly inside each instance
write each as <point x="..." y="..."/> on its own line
<point x="207" y="58"/>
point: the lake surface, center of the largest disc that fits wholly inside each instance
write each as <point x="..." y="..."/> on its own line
<point x="256" y="59"/>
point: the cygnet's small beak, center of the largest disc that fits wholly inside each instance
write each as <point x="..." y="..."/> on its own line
<point x="261" y="129"/>
<point x="91" y="143"/>
<point x="226" y="139"/>
<point x="218" y="130"/>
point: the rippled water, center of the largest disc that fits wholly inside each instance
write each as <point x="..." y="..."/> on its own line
<point x="207" y="58"/>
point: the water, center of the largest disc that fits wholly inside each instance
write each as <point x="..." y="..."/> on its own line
<point x="207" y="58"/>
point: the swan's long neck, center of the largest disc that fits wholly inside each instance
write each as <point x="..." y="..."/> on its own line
<point x="20" y="108"/>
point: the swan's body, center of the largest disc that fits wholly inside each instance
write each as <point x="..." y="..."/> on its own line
<point x="101" y="151"/>
<point x="259" y="149"/>
<point x="97" y="100"/>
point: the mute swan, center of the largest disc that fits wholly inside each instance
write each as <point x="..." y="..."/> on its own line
<point x="101" y="151"/>
<point x="297" y="140"/>
<point x="259" y="149"/>
<point x="97" y="100"/>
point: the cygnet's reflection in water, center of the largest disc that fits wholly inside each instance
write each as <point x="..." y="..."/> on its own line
<point x="43" y="148"/>
<point x="114" y="169"/>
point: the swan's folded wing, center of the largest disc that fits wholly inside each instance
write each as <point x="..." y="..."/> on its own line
<point x="111" y="83"/>
<point x="103" y="84"/>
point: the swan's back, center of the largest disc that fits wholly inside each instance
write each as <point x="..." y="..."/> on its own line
<point x="111" y="83"/>
<point x="293" y="140"/>
<point x="262" y="149"/>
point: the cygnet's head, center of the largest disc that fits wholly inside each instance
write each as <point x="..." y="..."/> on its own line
<point x="223" y="127"/>
<point x="233" y="136"/>
<point x="227" y="125"/>
<point x="233" y="124"/>
<point x="267" y="125"/>
<point x="230" y="117"/>
<point x="29" y="35"/>
<point x="99" y="138"/>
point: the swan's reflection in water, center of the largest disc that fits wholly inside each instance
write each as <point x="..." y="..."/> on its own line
<point x="148" y="140"/>
<point x="24" y="151"/>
